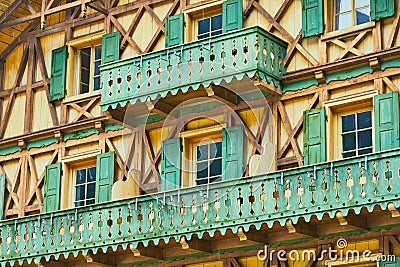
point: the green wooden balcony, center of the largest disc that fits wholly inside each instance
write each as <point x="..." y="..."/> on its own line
<point x="251" y="201"/>
<point x="250" y="52"/>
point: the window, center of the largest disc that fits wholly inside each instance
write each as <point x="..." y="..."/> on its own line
<point x="85" y="186"/>
<point x="208" y="162"/>
<point x="89" y="60"/>
<point x="349" y="13"/>
<point x="356" y="134"/>
<point x="210" y="26"/>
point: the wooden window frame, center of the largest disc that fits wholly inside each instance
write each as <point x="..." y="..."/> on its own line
<point x="73" y="76"/>
<point x="342" y="106"/>
<point x="201" y="10"/>
<point x="86" y="183"/>
<point x="191" y="139"/>
<point x="91" y="69"/>
<point x="353" y="15"/>
<point x="329" y="19"/>
<point x="70" y="165"/>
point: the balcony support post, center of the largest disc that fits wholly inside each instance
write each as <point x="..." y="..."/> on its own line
<point x="393" y="210"/>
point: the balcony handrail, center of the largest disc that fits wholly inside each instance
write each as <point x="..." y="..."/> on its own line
<point x="325" y="188"/>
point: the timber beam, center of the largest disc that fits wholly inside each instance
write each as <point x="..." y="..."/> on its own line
<point x="159" y="107"/>
<point x="306" y="229"/>
<point x="352" y="220"/>
<point x="267" y="87"/>
<point x="254" y="236"/>
<point x="196" y="244"/>
<point x="148" y="252"/>
<point x="225" y="95"/>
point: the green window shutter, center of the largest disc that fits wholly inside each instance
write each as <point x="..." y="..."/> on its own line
<point x="174" y="28"/>
<point x="381" y="9"/>
<point x="52" y="187"/>
<point x="2" y="194"/>
<point x="386" y="110"/>
<point x="314" y="136"/>
<point x="232" y="152"/>
<point x="312" y="17"/>
<point x="58" y="73"/>
<point x="110" y="47"/>
<point x="232" y="15"/>
<point x="171" y="164"/>
<point x="104" y="176"/>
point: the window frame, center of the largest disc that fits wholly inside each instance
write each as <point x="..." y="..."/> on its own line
<point x="190" y="140"/>
<point x="73" y="75"/>
<point x="353" y="15"/>
<point x="91" y="69"/>
<point x="336" y="108"/>
<point x="71" y="164"/>
<point x="86" y="183"/>
<point x="198" y="11"/>
<point x="329" y="20"/>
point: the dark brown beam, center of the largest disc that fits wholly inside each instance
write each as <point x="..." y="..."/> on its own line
<point x="222" y="94"/>
<point x="159" y="107"/>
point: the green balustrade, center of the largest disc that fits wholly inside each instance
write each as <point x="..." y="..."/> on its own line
<point x="302" y="192"/>
<point x="251" y="52"/>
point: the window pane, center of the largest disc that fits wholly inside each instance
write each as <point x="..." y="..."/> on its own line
<point x="344" y="21"/>
<point x="216" y="33"/>
<point x="364" y="139"/>
<point x="215" y="179"/>
<point x="202" y="181"/>
<point x="202" y="170"/>
<point x="216" y="22"/>
<point x="343" y="5"/>
<point x="91" y="174"/>
<point x="349" y="141"/>
<point x="361" y="3"/>
<point x="349" y="154"/>
<point x="84" y="88"/>
<point x="90" y="202"/>
<point x="348" y="123"/>
<point x="85" y="76"/>
<point x="216" y="150"/>
<point x="85" y="58"/>
<point x="216" y="167"/>
<point x="79" y="192"/>
<point x="96" y="67"/>
<point x="96" y="83"/>
<point x="79" y="204"/>
<point x="91" y="188"/>
<point x="202" y="152"/>
<point x="97" y="52"/>
<point x="362" y="15"/>
<point x="364" y="120"/>
<point x="81" y="176"/>
<point x="365" y="151"/>
<point x="203" y="26"/>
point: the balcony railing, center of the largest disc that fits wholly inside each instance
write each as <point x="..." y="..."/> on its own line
<point x="302" y="192"/>
<point x="251" y="52"/>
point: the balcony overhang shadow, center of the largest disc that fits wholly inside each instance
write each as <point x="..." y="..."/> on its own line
<point x="211" y="63"/>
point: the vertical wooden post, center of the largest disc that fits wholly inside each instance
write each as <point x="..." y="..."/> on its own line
<point x="31" y="78"/>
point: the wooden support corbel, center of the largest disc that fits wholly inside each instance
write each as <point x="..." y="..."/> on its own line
<point x="375" y="64"/>
<point x="22" y="143"/>
<point x="242" y="236"/>
<point x="267" y="87"/>
<point x="225" y="95"/>
<point x="159" y="107"/>
<point x="88" y="258"/>
<point x="38" y="263"/>
<point x="134" y="250"/>
<point x="148" y="252"/>
<point x="393" y="210"/>
<point x="320" y="76"/>
<point x="99" y="125"/>
<point x="306" y="229"/>
<point x="352" y="220"/>
<point x="59" y="136"/>
<point x="184" y="243"/>
<point x="290" y="226"/>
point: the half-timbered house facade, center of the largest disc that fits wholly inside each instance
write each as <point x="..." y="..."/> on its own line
<point x="199" y="133"/>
